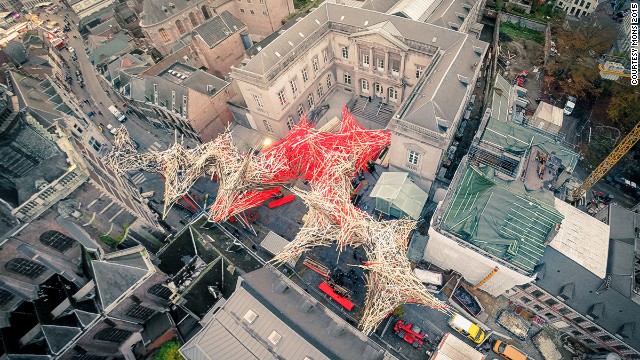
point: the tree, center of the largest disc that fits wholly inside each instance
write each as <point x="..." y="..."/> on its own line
<point x="624" y="106"/>
<point x="169" y="351"/>
<point x="580" y="44"/>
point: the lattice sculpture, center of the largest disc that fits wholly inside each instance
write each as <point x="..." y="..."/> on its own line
<point x="328" y="162"/>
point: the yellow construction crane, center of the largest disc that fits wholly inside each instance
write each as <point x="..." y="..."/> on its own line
<point x="623" y="147"/>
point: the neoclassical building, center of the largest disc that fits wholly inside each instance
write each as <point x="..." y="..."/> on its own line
<point x="166" y="22"/>
<point x="419" y="73"/>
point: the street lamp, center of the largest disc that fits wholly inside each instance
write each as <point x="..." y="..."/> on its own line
<point x="266" y="142"/>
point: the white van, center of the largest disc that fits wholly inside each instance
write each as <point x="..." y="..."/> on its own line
<point x="120" y="116"/>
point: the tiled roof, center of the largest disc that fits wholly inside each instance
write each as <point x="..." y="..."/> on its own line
<point x="218" y="28"/>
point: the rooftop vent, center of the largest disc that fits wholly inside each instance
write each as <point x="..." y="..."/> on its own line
<point x="278" y="54"/>
<point x="336" y="329"/>
<point x="164" y="8"/>
<point x="434" y="39"/>
<point x="172" y="5"/>
<point x="478" y="50"/>
<point x="317" y="22"/>
<point x="461" y="16"/>
<point x="301" y="34"/>
<point x="250" y="316"/>
<point x="307" y="305"/>
<point x="626" y="331"/>
<point x="280" y="287"/>
<point x="454" y="26"/>
<point x="463" y="79"/>
<point x="211" y="89"/>
<point x="290" y="43"/>
<point x="274" y="338"/>
<point x="366" y="23"/>
<point x="596" y="311"/>
<point x="567" y="292"/>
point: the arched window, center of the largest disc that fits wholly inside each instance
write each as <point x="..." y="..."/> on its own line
<point x="160" y="291"/>
<point x="329" y="81"/>
<point x="180" y="27"/>
<point x="57" y="240"/>
<point x="25" y="267"/>
<point x="112" y="335"/>
<point x="164" y="34"/>
<point x="205" y="12"/>
<point x="194" y="20"/>
<point x="393" y="94"/>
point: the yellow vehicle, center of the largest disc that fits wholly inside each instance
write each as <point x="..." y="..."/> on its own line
<point x="507" y="351"/>
<point x="465" y="327"/>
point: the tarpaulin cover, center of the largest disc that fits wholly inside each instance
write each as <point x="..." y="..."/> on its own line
<point x="502" y="220"/>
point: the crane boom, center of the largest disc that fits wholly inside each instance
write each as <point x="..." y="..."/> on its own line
<point x="623" y="147"/>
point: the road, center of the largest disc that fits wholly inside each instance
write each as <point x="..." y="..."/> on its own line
<point x="100" y="97"/>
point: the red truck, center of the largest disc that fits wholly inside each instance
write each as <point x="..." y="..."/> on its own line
<point x="410" y="333"/>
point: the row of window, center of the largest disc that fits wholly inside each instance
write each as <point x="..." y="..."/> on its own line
<point x="265" y="13"/>
<point x="565" y="311"/>
<point x="166" y="37"/>
<point x="282" y="96"/>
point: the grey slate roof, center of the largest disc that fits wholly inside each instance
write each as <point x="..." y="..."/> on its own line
<point x="16" y="51"/>
<point x="84" y="317"/>
<point x="154" y="13"/>
<point x="306" y="327"/>
<point x="623" y="246"/>
<point x="78" y="233"/>
<point x="113" y="280"/>
<point x="218" y="28"/>
<point x="450" y="12"/>
<point x="617" y="309"/>
<point x="59" y="336"/>
<point x="156" y="326"/>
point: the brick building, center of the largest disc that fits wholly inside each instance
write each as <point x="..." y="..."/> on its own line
<point x="178" y="96"/>
<point x="165" y="22"/>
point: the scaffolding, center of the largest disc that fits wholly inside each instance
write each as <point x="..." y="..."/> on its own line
<point x="327" y="162"/>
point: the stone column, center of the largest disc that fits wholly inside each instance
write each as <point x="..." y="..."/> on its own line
<point x="386" y="62"/>
<point x="371" y="61"/>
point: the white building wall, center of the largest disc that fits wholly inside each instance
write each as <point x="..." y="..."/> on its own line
<point x="448" y="254"/>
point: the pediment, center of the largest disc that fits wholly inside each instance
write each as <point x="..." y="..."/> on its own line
<point x="379" y="37"/>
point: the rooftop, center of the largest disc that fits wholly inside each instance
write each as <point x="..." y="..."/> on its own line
<point x="503" y="132"/>
<point x="501" y="217"/>
<point x="619" y="314"/>
<point x="582" y="238"/>
<point x="270" y="317"/>
<point x="195" y="79"/>
<point x="218" y="28"/>
<point x="156" y="11"/>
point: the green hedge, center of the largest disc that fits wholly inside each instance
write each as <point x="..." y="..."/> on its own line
<point x="519" y="32"/>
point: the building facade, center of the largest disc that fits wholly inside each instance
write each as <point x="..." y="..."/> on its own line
<point x="86" y="8"/>
<point x="578" y="8"/>
<point x="164" y="23"/>
<point x="178" y="96"/>
<point x="422" y="72"/>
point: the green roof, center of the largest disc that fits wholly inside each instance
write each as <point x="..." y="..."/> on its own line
<point x="501" y="217"/>
<point x="517" y="139"/>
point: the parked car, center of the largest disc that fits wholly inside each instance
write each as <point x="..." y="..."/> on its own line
<point x="507" y="351"/>
<point x="409" y="333"/>
<point x="570" y="105"/>
<point x="112" y="129"/>
<point x="465" y="327"/>
<point x="91" y="113"/>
